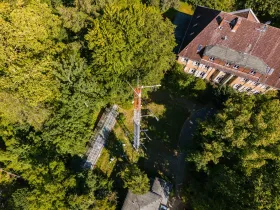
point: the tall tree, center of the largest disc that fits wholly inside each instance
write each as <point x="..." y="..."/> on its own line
<point x="130" y="40"/>
<point x="30" y="37"/>
<point x="135" y="180"/>
<point x="236" y="156"/>
<point x="224" y="5"/>
<point x="266" y="10"/>
<point x="76" y="110"/>
<point x="163" y="5"/>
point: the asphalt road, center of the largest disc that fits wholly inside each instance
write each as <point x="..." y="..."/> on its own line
<point x="185" y="138"/>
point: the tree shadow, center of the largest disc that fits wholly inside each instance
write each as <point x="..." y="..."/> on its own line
<point x="162" y="145"/>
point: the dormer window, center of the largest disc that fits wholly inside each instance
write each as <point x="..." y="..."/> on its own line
<point x="227" y="64"/>
<point x="235" y="66"/>
<point x="253" y="72"/>
<point x="221" y="27"/>
<point x="211" y="59"/>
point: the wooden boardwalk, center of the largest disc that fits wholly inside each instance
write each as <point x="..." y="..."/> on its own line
<point x="100" y="136"/>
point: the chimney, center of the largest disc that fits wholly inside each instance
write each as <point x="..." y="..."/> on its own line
<point x="235" y="23"/>
<point x="220" y="21"/>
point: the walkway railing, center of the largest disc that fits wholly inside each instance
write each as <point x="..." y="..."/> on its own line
<point x="100" y="135"/>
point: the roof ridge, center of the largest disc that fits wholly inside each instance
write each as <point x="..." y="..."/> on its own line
<point x="249" y="10"/>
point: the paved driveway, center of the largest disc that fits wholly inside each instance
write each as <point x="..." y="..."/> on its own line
<point x="185" y="138"/>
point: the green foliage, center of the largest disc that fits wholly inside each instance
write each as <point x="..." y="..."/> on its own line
<point x="27" y="48"/>
<point x="135" y="180"/>
<point x="73" y="19"/>
<point x="224" y="5"/>
<point x="264" y="9"/>
<point x="236" y="156"/>
<point x="127" y="41"/>
<point x="183" y="84"/>
<point x="49" y="183"/>
<point x="73" y="121"/>
<point x="163" y="5"/>
<point x="54" y="81"/>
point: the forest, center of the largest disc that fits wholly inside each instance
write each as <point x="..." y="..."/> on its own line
<point x="61" y="62"/>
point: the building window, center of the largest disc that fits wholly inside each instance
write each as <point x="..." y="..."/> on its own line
<point x="191" y="33"/>
<point x="220" y="27"/>
<point x="207" y="67"/>
<point x="252" y="72"/>
<point x="202" y="74"/>
<point x="219" y="79"/>
<point x="267" y="87"/>
<point x="198" y="16"/>
<point x="236" y="86"/>
<point x="235" y="66"/>
<point x="256" y="83"/>
<point x="227" y="64"/>
<point x="256" y="92"/>
<point x="249" y="89"/>
<point x="191" y="71"/>
<point x="195" y="63"/>
<point x="211" y="58"/>
<point x="195" y="25"/>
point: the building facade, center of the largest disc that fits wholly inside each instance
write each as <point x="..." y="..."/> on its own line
<point x="232" y="49"/>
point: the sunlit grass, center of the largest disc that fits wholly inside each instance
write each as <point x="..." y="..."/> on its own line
<point x="104" y="164"/>
<point x="185" y="8"/>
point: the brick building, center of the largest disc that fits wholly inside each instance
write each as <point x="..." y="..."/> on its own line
<point x="233" y="49"/>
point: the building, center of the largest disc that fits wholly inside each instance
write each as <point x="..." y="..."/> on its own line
<point x="232" y="49"/>
<point x="156" y="199"/>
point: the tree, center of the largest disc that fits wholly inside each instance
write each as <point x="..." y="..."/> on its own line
<point x="163" y="5"/>
<point x="223" y="5"/>
<point x="236" y="156"/>
<point x="48" y="182"/>
<point x="30" y="38"/>
<point x="81" y="100"/>
<point x="266" y="10"/>
<point x="130" y="40"/>
<point x="135" y="180"/>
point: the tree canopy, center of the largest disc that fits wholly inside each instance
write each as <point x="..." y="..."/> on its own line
<point x="61" y="62"/>
<point x="236" y="156"/>
<point x="130" y="40"/>
<point x="135" y="180"/>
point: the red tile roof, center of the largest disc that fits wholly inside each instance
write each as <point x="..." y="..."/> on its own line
<point x="246" y="13"/>
<point x="257" y="39"/>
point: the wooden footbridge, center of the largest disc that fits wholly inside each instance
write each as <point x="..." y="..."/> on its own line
<point x="100" y="136"/>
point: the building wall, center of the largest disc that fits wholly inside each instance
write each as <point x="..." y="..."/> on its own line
<point x="220" y="77"/>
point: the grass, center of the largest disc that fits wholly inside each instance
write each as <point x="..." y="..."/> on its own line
<point x="185" y="8"/>
<point x="104" y="164"/>
<point x="119" y="146"/>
